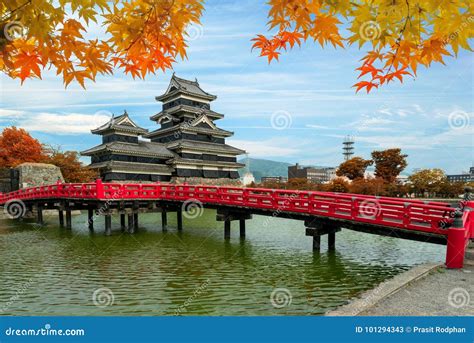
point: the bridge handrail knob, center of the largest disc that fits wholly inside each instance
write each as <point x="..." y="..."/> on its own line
<point x="468" y="193"/>
<point x="457" y="222"/>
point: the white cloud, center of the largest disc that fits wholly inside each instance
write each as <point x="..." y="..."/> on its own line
<point x="59" y="124"/>
<point x="266" y="148"/>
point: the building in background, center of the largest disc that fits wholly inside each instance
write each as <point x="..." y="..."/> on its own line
<point x="274" y="179"/>
<point x="312" y="174"/>
<point x="248" y="177"/>
<point x="465" y="177"/>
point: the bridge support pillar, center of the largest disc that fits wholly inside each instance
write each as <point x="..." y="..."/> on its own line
<point x="332" y="241"/>
<point x="316" y="229"/>
<point x="90" y="219"/>
<point x="316" y="243"/>
<point x="242" y="228"/>
<point x="108" y="224"/>
<point x="179" y="219"/>
<point x="39" y="214"/>
<point x="131" y="224"/>
<point x="227" y="229"/>
<point x="68" y="219"/>
<point x="228" y="216"/>
<point x="135" y="221"/>
<point x="164" y="221"/>
<point x="123" y="225"/>
<point x="61" y="218"/>
<point x="458" y="238"/>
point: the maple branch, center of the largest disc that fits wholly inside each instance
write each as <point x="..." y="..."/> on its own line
<point x="16" y="9"/>
<point x="397" y="42"/>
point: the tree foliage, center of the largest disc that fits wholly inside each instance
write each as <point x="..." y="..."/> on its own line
<point x="389" y="163"/>
<point x="17" y="146"/>
<point x="400" y="35"/>
<point x="142" y="36"/>
<point x="354" y="168"/>
<point x="427" y="181"/>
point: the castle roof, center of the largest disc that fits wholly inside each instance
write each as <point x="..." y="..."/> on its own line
<point x="186" y="110"/>
<point x="179" y="86"/>
<point x="122" y="123"/>
<point x="142" y="148"/>
<point x="186" y="144"/>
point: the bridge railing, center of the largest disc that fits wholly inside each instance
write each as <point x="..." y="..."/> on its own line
<point x="396" y="212"/>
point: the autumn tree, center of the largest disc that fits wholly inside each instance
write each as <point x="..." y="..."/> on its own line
<point x="354" y="168"/>
<point x="17" y="146"/>
<point x="400" y="35"/>
<point x="369" y="186"/>
<point x="337" y="185"/>
<point x="143" y="36"/>
<point x="427" y="181"/>
<point x="389" y="163"/>
<point x="71" y="167"/>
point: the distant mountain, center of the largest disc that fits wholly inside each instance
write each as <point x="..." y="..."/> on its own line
<point x="260" y="167"/>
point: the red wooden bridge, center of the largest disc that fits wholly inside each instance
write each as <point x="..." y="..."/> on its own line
<point x="324" y="213"/>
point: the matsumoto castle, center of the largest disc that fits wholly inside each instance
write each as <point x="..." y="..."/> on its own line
<point x="188" y="144"/>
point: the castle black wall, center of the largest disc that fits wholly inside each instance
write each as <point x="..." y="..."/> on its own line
<point x="134" y="177"/>
<point x="119" y="138"/>
<point x="126" y="158"/>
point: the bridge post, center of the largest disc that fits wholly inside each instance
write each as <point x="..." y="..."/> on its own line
<point x="135" y="221"/>
<point x="61" y="218"/>
<point x="179" y="219"/>
<point x="227" y="229"/>
<point x="131" y="224"/>
<point x="316" y="243"/>
<point x="39" y="214"/>
<point x="164" y="220"/>
<point x="457" y="242"/>
<point x="242" y="228"/>
<point x="68" y="219"/>
<point x="228" y="216"/>
<point x="90" y="219"/>
<point x="122" y="222"/>
<point x="332" y="241"/>
<point x="108" y="224"/>
<point x="316" y="229"/>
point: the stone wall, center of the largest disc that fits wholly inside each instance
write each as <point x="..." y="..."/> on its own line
<point x="7" y="184"/>
<point x="38" y="174"/>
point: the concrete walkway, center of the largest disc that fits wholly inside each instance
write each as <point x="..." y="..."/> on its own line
<point x="428" y="290"/>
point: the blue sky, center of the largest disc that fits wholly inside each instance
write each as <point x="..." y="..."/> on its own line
<point x="297" y="110"/>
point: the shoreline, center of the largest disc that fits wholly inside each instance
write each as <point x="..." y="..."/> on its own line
<point x="427" y="289"/>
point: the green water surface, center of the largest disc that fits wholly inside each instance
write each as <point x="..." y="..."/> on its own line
<point x="52" y="271"/>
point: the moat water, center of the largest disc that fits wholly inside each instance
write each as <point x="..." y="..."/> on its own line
<point x="52" y="271"/>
